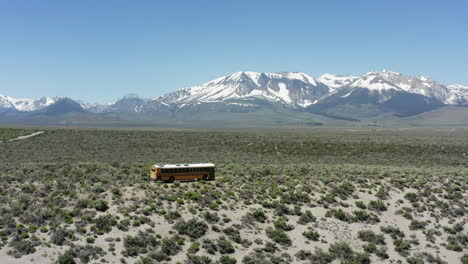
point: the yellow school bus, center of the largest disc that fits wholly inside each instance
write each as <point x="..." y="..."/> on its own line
<point x="182" y="172"/>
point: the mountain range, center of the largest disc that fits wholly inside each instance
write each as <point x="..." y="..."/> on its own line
<point x="286" y="96"/>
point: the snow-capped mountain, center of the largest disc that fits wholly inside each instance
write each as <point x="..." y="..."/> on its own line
<point x="379" y="81"/>
<point x="371" y="94"/>
<point x="93" y="107"/>
<point x="385" y="91"/>
<point x="458" y="95"/>
<point x="127" y="105"/>
<point x="292" y="89"/>
<point x="335" y="82"/>
<point x="27" y="105"/>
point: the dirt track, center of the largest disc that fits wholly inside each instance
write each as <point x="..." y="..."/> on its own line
<point x="25" y="137"/>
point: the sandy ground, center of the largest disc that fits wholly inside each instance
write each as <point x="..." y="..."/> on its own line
<point x="331" y="230"/>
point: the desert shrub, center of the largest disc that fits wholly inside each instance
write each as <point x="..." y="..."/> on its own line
<point x="194" y="259"/>
<point x="295" y="197"/>
<point x="270" y="247"/>
<point x="408" y="215"/>
<point x="123" y="224"/>
<point x="86" y="253"/>
<point x="99" y="205"/>
<point x="59" y="236"/>
<point x="141" y="243"/>
<point x="297" y="210"/>
<point x="176" y="215"/>
<point x="65" y="258"/>
<point x="280" y="207"/>
<point x="227" y="260"/>
<point x="338" y="214"/>
<point x="279" y="236"/>
<point x="415" y="260"/>
<point x="370" y="248"/>
<point x="194" y="248"/>
<point x="281" y="224"/>
<point x="412" y="197"/>
<point x="394" y="232"/>
<point x="402" y="246"/>
<point x="311" y="235"/>
<point x="169" y="246"/>
<point x="159" y="256"/>
<point x="343" y="190"/>
<point x="377" y="205"/>
<point x="453" y="243"/>
<point x="458" y="227"/>
<point x="133" y="246"/>
<point x="303" y="254"/>
<point x="321" y="257"/>
<point x="22" y="247"/>
<point x="360" y="204"/>
<point x="264" y="258"/>
<point x="382" y="253"/>
<point x="145" y="260"/>
<point x="32" y="228"/>
<point x="98" y="188"/>
<point x="358" y="258"/>
<point x="363" y="216"/>
<point x="211" y="217"/>
<point x="103" y="224"/>
<point x="464" y="259"/>
<point x="233" y="234"/>
<point x="382" y="194"/>
<point x="259" y="215"/>
<point x="371" y="237"/>
<point x="210" y="246"/>
<point x="328" y="199"/>
<point x="192" y="228"/>
<point x="306" y="218"/>
<point x="415" y="224"/>
<point x="215" y="228"/>
<point x="341" y="250"/>
<point x="224" y="246"/>
<point x="7" y="220"/>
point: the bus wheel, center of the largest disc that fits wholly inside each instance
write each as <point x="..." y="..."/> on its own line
<point x="171" y="179"/>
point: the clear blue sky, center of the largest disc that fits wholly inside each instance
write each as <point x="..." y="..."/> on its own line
<point x="98" y="50"/>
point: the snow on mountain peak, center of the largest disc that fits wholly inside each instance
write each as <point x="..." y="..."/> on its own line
<point x="256" y="77"/>
<point x="290" y="88"/>
<point x="292" y="76"/>
<point x="336" y="81"/>
<point x="373" y="82"/>
<point x="384" y="73"/>
<point x="298" y="89"/>
<point x="458" y="94"/>
<point x="27" y="105"/>
<point x="388" y="80"/>
<point x="458" y="87"/>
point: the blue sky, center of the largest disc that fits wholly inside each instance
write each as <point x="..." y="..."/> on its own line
<point x="101" y="50"/>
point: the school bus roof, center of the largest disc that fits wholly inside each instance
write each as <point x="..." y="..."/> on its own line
<point x="176" y="166"/>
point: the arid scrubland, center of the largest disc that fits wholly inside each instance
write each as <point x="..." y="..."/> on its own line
<point x="305" y="196"/>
